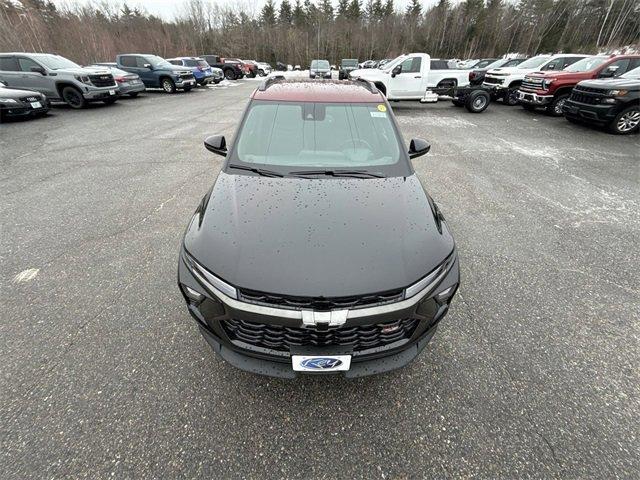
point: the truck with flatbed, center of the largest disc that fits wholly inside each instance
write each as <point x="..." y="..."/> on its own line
<point x="504" y="83"/>
<point x="414" y="76"/>
<point x="549" y="90"/>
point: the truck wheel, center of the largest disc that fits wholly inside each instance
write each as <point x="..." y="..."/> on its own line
<point x="261" y="72"/>
<point x="168" y="85"/>
<point x="555" y="108"/>
<point x="73" y="97"/>
<point x="511" y="97"/>
<point x="229" y="74"/>
<point x="477" y="101"/>
<point x="627" y="121"/>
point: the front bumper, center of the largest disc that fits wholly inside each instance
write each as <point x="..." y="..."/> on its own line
<point x="185" y="82"/>
<point x="23" y="109"/>
<point x="601" y="114"/>
<point x="536" y="99"/>
<point x="95" y="94"/>
<point x="217" y="311"/>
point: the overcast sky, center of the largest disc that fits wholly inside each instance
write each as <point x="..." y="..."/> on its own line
<point x="168" y="8"/>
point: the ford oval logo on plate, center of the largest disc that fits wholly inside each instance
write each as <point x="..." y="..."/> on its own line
<point x="328" y="363"/>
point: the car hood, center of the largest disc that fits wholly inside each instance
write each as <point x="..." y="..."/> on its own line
<point x="561" y="75"/>
<point x="510" y="71"/>
<point x="618" y="83"/>
<point x="8" y="92"/>
<point x="318" y="237"/>
<point x="84" y="71"/>
<point x="369" y="73"/>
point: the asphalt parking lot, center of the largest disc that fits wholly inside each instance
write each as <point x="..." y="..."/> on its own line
<point x="533" y="374"/>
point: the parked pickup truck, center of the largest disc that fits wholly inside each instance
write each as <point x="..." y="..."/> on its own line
<point x="505" y="82"/>
<point x="551" y="89"/>
<point x="58" y="78"/>
<point x="414" y="76"/>
<point x="157" y="72"/>
<point x="232" y="69"/>
<point x="614" y="103"/>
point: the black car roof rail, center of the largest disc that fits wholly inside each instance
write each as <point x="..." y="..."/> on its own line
<point x="367" y="84"/>
<point x="270" y="81"/>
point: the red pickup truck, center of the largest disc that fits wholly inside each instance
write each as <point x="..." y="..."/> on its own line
<point x="549" y="90"/>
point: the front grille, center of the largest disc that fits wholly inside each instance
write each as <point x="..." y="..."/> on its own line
<point x="601" y="91"/>
<point x="186" y="76"/>
<point x="105" y="80"/>
<point x="532" y="84"/>
<point x="321" y="303"/>
<point x="493" y="80"/>
<point x="30" y="99"/>
<point x="582" y="97"/>
<point x="282" y="338"/>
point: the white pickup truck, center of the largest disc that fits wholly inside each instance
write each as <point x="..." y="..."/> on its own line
<point x="505" y="82"/>
<point x="414" y="76"/>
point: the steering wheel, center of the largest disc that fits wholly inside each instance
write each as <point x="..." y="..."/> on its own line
<point x="350" y="144"/>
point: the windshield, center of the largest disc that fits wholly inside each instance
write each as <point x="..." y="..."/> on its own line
<point x="535" y="62"/>
<point x="55" y="62"/>
<point x="496" y="64"/>
<point x="586" y="64"/>
<point x="635" y="74"/>
<point x="349" y="63"/>
<point x="483" y="63"/>
<point x="320" y="64"/>
<point x="157" y="62"/>
<point x="292" y="135"/>
<point x="389" y="65"/>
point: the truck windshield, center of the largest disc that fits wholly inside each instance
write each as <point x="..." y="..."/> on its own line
<point x="322" y="64"/>
<point x="484" y="63"/>
<point x="55" y="62"/>
<point x="158" y="62"/>
<point x="349" y="63"/>
<point x="633" y="74"/>
<point x="389" y="65"/>
<point x="535" y="62"/>
<point x="291" y="135"/>
<point x="586" y="64"/>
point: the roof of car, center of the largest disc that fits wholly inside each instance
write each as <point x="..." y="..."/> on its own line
<point x="306" y="90"/>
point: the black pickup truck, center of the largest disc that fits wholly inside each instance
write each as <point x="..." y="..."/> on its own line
<point x="232" y="69"/>
<point x="614" y="103"/>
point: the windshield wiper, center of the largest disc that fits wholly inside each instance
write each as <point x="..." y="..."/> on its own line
<point x="339" y="173"/>
<point x="259" y="171"/>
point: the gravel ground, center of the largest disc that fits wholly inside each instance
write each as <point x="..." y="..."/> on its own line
<point x="533" y="374"/>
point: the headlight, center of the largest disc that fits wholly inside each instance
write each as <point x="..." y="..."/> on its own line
<point x="207" y="279"/>
<point x="618" y="93"/>
<point x="8" y="100"/>
<point x="547" y="82"/>
<point x="83" y="78"/>
<point x="433" y="279"/>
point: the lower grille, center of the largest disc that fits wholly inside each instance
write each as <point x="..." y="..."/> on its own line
<point x="280" y="337"/>
<point x="102" y="80"/>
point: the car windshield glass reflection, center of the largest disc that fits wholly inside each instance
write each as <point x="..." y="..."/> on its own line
<point x="318" y="135"/>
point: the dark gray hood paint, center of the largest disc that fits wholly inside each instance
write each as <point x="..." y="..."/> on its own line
<point x="618" y="83"/>
<point x="318" y="237"/>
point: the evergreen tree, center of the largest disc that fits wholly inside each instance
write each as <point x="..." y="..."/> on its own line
<point x="286" y="13"/>
<point x="268" y="14"/>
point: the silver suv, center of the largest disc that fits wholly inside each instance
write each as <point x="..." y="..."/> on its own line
<point x="58" y="78"/>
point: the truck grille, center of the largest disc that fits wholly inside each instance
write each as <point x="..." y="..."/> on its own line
<point x="601" y="91"/>
<point x="530" y="83"/>
<point x="186" y="76"/>
<point x="104" y="80"/>
<point x="582" y="97"/>
<point x="280" y="337"/>
<point x="493" y="80"/>
<point x="321" y="303"/>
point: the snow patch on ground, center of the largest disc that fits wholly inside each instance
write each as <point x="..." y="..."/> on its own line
<point x="26" y="275"/>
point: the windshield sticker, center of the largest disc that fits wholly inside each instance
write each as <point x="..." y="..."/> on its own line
<point x="378" y="114"/>
<point x="382" y="108"/>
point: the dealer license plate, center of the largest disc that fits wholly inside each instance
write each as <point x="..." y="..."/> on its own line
<point x="112" y="92"/>
<point x="36" y="105"/>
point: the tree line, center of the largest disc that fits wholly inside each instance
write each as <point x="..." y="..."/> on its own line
<point x="296" y="31"/>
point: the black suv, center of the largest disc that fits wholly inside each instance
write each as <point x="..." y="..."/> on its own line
<point x="318" y="250"/>
<point x="614" y="103"/>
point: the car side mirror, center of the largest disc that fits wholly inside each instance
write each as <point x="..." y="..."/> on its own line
<point x="216" y="144"/>
<point x="418" y="147"/>
<point x="148" y="65"/>
<point x="609" y="71"/>
<point x="397" y="70"/>
<point x="39" y="70"/>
